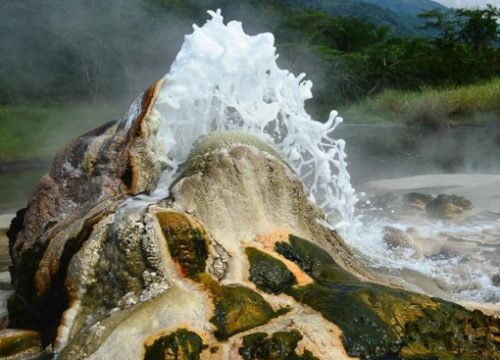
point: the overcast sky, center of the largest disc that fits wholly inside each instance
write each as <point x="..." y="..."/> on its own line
<point x="469" y="3"/>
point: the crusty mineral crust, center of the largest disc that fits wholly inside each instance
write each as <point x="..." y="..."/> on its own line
<point x="111" y="160"/>
<point x="235" y="263"/>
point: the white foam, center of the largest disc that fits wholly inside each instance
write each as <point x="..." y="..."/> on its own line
<point x="465" y="275"/>
<point x="223" y="79"/>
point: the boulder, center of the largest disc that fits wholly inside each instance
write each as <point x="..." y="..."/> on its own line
<point x="447" y="206"/>
<point x="417" y="199"/>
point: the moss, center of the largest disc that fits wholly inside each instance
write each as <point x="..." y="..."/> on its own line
<point x="187" y="242"/>
<point x="280" y="346"/>
<point x="365" y="333"/>
<point x="451" y="331"/>
<point x="237" y="308"/>
<point x="267" y="273"/>
<point x="381" y="322"/>
<point x="179" y="345"/>
<point x="313" y="260"/>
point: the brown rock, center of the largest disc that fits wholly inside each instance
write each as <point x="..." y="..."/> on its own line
<point x="447" y="206"/>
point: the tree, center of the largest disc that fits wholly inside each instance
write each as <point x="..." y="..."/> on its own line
<point x="479" y="27"/>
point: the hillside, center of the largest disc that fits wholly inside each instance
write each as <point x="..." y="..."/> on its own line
<point x="410" y="7"/>
<point x="399" y="15"/>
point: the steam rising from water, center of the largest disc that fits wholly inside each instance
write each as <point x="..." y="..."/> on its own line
<point x="223" y="79"/>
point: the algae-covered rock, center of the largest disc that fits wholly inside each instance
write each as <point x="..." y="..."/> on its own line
<point x="179" y="345"/>
<point x="280" y="346"/>
<point x="187" y="241"/>
<point x="379" y="322"/>
<point x="268" y="273"/>
<point x="237" y="308"/>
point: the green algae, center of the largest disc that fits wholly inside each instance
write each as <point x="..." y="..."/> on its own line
<point x="268" y="273"/>
<point x="179" y="345"/>
<point x="187" y="243"/>
<point x="365" y="333"/>
<point x="384" y="323"/>
<point x="280" y="346"/>
<point x="237" y="308"/>
<point x="313" y="260"/>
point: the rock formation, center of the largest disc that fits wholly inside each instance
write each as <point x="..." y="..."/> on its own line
<point x="234" y="263"/>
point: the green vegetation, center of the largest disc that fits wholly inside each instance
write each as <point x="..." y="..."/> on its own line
<point x="79" y="56"/>
<point x="470" y="104"/>
<point x="37" y="132"/>
<point x="100" y="50"/>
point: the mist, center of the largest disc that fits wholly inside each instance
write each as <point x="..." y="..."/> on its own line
<point x="105" y="53"/>
<point x="383" y="151"/>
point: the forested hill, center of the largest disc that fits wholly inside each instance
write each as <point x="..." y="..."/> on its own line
<point x="81" y="50"/>
<point x="411" y="7"/>
<point x="400" y="15"/>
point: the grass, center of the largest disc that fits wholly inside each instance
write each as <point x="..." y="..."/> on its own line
<point x="37" y="132"/>
<point x="474" y="104"/>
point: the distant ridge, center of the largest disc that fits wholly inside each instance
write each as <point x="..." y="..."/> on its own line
<point x="400" y="15"/>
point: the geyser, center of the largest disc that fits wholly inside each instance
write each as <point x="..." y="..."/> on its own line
<point x="223" y="79"/>
<point x="139" y="245"/>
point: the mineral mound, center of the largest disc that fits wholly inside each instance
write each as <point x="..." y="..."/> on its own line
<point x="233" y="263"/>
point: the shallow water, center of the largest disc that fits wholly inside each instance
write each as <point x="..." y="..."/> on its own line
<point x="458" y="259"/>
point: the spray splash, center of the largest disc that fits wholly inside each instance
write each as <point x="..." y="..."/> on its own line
<point x="223" y="79"/>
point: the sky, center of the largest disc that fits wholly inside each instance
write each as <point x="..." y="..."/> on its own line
<point x="468" y="3"/>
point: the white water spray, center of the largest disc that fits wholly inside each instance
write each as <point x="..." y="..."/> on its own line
<point x="223" y="79"/>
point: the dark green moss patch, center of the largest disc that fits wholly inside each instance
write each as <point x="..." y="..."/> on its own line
<point x="313" y="260"/>
<point x="237" y="308"/>
<point x="280" y="346"/>
<point x="452" y="332"/>
<point x="384" y="323"/>
<point x="267" y="273"/>
<point x="187" y="242"/>
<point x="366" y="334"/>
<point x="179" y="345"/>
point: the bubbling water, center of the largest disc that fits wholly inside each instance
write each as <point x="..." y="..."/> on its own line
<point x="223" y="79"/>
